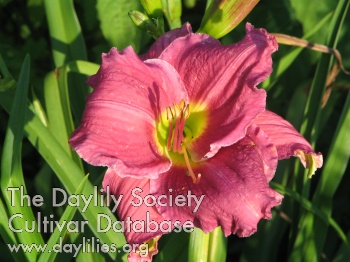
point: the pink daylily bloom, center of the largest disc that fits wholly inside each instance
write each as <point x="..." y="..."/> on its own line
<point x="187" y="117"/>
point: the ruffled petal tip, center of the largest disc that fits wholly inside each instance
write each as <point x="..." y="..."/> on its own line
<point x="311" y="161"/>
<point x="145" y="251"/>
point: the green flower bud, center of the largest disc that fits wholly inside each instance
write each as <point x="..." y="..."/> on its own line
<point x="152" y="26"/>
<point x="190" y="3"/>
<point x="223" y="15"/>
<point x="139" y="19"/>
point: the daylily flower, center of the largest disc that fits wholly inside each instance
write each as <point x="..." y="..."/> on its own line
<point x="187" y="116"/>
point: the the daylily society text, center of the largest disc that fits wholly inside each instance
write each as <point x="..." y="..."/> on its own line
<point x="105" y="222"/>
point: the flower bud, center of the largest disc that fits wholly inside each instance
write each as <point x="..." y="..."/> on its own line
<point x="224" y="15"/>
<point x="152" y="26"/>
<point x="190" y="3"/>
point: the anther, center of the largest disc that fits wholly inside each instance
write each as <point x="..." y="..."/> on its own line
<point x="169" y="113"/>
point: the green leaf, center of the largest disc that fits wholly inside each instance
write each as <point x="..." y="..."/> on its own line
<point x="172" y="10"/>
<point x="343" y="253"/>
<point x="207" y="246"/>
<point x="173" y="247"/>
<point x="12" y="181"/>
<point x="217" y="245"/>
<point x="332" y="173"/>
<point x="198" y="249"/>
<point x="312" y="246"/>
<point x="312" y="110"/>
<point x="307" y="14"/>
<point x="326" y="219"/>
<point x="65" y="169"/>
<point x="153" y="8"/>
<point x="67" y="45"/>
<point x="286" y="61"/>
<point x="66" y="38"/>
<point x="58" y="235"/>
<point x="7" y="235"/>
<point x="58" y="109"/>
<point x="39" y="109"/>
<point x="57" y="102"/>
<point x="116" y="25"/>
<point x="6" y="79"/>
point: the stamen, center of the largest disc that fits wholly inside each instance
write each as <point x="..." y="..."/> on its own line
<point x="186" y="111"/>
<point x="195" y="179"/>
<point x="180" y="113"/>
<point x="170" y="117"/>
<point x="180" y="125"/>
<point x="176" y="138"/>
<point x="170" y="135"/>
<point x="169" y="113"/>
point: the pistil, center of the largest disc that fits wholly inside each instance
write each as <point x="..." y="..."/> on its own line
<point x="179" y="113"/>
<point x="195" y="179"/>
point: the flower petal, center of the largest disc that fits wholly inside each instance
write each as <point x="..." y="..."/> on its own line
<point x="224" y="79"/>
<point x="165" y="40"/>
<point x="288" y="141"/>
<point x="145" y="251"/>
<point x="128" y="205"/>
<point x="234" y="184"/>
<point x="118" y="125"/>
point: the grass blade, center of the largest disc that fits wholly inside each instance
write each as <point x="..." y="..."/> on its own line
<point x="67" y="216"/>
<point x="173" y="247"/>
<point x="116" y="25"/>
<point x="198" y="246"/>
<point x="66" y="170"/>
<point x="311" y="246"/>
<point x="326" y="219"/>
<point x="66" y="38"/>
<point x="286" y="61"/>
<point x="337" y="161"/>
<point x="11" y="165"/>
<point x="217" y="245"/>
<point x="58" y="105"/>
<point x="67" y="45"/>
<point x="7" y="235"/>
